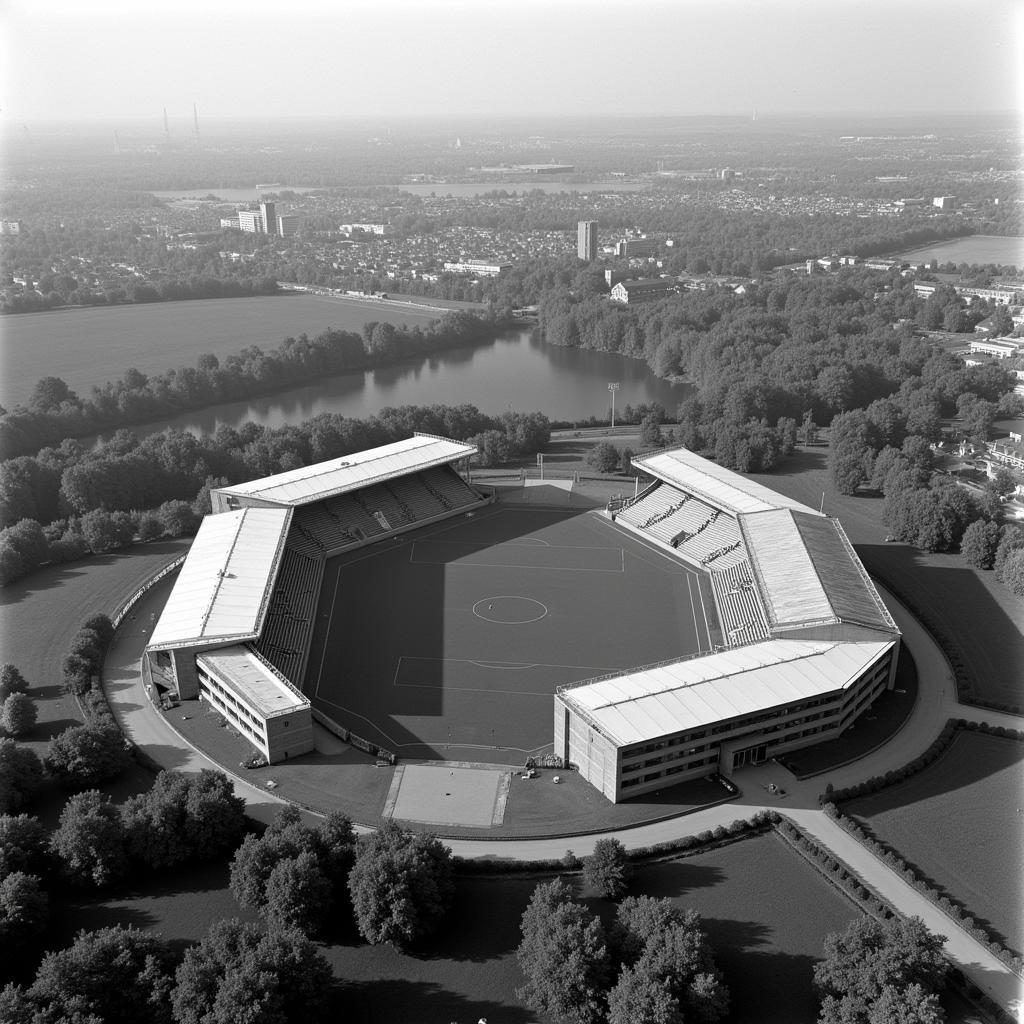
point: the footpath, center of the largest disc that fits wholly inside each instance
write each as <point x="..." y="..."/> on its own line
<point x="152" y="731"/>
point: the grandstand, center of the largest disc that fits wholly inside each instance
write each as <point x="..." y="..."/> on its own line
<point x="251" y="581"/>
<point x="806" y="642"/>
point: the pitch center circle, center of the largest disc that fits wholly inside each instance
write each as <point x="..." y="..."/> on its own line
<point x="508" y="610"/>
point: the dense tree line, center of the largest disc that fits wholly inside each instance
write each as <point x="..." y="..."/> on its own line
<point x="123" y="976"/>
<point x="65" y="502"/>
<point x="54" y="412"/>
<point x="792" y="352"/>
<point x="654" y="965"/>
<point x="54" y="291"/>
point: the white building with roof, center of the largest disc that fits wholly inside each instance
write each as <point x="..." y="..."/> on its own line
<point x="806" y="643"/>
<point x="237" y="627"/>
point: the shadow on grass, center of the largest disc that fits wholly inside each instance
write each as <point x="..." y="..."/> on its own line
<point x="766" y="987"/>
<point x="679" y="877"/>
<point x="388" y="1000"/>
<point x="52" y="576"/>
<point x="953" y="600"/>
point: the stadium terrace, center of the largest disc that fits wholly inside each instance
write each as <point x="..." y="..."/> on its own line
<point x="804" y="645"/>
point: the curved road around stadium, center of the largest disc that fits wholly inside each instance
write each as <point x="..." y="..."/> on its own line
<point x="41" y="615"/>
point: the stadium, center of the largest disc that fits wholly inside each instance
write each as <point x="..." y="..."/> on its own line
<point x="422" y="616"/>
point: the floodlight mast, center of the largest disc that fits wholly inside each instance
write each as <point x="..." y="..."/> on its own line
<point x="613" y="387"/>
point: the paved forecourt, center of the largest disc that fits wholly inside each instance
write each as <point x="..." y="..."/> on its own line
<point x="452" y="794"/>
<point x="449" y="643"/>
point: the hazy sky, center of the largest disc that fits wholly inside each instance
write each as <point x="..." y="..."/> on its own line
<point x="85" y="59"/>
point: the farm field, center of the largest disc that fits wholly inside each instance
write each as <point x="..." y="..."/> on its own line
<point x="767" y="914"/>
<point x="88" y="347"/>
<point x="1005" y="250"/>
<point x="958" y="821"/>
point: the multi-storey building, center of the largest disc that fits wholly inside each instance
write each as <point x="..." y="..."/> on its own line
<point x="586" y="240"/>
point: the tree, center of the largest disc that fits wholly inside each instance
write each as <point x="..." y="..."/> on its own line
<point x="89" y="841"/>
<point x="564" y="957"/>
<point x="607" y="870"/>
<point x="115" y="975"/>
<point x="662" y="945"/>
<point x="979" y="544"/>
<point x="640" y="998"/>
<point x="23" y="845"/>
<point x="870" y="957"/>
<point x="178" y="518"/>
<point x="1013" y="574"/>
<point x="1005" y="480"/>
<point x="183" y="817"/>
<point x="11" y="681"/>
<point x="107" y="531"/>
<point x="912" y="1005"/>
<point x="238" y="973"/>
<point x="16" y="1007"/>
<point x="1011" y="539"/>
<point x="21" y="774"/>
<point x="298" y="895"/>
<point x="848" y="468"/>
<point x="650" y="431"/>
<point x="24" y="908"/>
<point x="400" y="884"/>
<point x="100" y="624"/>
<point x="150" y="527"/>
<point x="603" y="457"/>
<point x="85" y="755"/>
<point x="18" y="714"/>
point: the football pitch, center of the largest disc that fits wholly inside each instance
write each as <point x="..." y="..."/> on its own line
<point x="448" y="643"/>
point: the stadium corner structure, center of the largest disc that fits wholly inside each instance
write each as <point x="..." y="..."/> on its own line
<point x="806" y="642"/>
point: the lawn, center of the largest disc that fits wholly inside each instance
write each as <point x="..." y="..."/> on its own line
<point x="960" y="822"/>
<point x="766" y="911"/>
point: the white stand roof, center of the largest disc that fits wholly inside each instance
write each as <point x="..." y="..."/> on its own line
<point x="221" y="594"/>
<point x="360" y="469"/>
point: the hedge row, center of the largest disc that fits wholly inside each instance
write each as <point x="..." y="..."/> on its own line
<point x="834" y="871"/>
<point x="705" y="840"/>
<point x="952" y="650"/>
<point x="849" y="883"/>
<point x="950" y="907"/>
<point x="938" y="747"/>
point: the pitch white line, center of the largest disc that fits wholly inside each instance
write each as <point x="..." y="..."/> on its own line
<point x="530" y="568"/>
<point x="394" y="744"/>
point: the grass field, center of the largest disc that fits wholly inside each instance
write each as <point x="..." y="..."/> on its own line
<point x="451" y="644"/>
<point x="87" y="347"/>
<point x="767" y="914"/>
<point x="960" y="822"/>
<point x="1005" y="250"/>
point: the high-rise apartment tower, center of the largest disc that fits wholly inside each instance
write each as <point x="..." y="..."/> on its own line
<point x="586" y="240"/>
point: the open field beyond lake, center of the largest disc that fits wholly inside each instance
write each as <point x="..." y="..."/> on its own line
<point x="1004" y="250"/>
<point x="960" y="822"/>
<point x="88" y="347"/>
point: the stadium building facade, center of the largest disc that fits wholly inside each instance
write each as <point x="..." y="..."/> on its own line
<point x="807" y="644"/>
<point x="236" y="629"/>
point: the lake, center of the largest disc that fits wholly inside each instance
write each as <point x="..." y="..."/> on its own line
<point x="87" y="347"/>
<point x="516" y="370"/>
<point x="1004" y="250"/>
